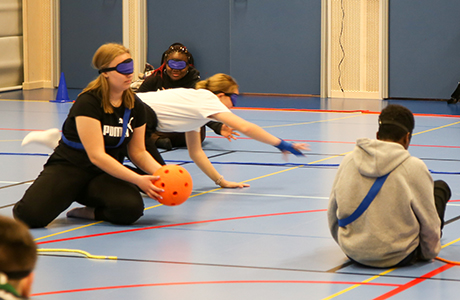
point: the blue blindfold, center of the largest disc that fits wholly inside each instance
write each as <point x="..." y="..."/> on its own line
<point x="233" y="97"/>
<point x="177" y="64"/>
<point x="126" y="67"/>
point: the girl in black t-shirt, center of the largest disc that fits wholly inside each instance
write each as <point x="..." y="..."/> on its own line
<point x="86" y="167"/>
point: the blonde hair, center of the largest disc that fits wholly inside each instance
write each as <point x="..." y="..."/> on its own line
<point x="101" y="59"/>
<point x="218" y="83"/>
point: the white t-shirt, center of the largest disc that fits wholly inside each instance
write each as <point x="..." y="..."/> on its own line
<point x="181" y="109"/>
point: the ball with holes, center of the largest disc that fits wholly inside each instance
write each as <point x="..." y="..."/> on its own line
<point x="176" y="183"/>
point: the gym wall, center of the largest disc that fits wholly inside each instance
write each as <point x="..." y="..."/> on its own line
<point x="11" y="57"/>
<point x="269" y="46"/>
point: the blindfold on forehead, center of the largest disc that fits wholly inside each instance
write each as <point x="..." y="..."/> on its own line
<point x="15" y="275"/>
<point x="177" y="64"/>
<point x="393" y="122"/>
<point x="126" y="67"/>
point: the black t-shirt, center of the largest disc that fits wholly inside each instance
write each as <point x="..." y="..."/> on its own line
<point x="89" y="105"/>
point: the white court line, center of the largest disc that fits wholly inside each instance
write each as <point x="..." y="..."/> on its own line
<point x="271" y="195"/>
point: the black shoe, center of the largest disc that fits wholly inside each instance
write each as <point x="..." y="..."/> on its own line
<point x="164" y="143"/>
<point x="452" y="101"/>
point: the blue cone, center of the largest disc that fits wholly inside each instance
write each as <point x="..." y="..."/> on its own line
<point x="62" y="94"/>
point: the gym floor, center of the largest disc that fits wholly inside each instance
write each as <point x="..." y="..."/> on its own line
<point x="268" y="241"/>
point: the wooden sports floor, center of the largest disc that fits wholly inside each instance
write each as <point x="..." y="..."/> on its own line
<point x="268" y="241"/>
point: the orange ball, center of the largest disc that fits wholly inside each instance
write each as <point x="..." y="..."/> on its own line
<point x="176" y="183"/>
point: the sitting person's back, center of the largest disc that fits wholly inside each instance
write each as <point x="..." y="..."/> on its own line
<point x="403" y="222"/>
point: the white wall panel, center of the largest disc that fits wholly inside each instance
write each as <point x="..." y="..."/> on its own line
<point x="11" y="53"/>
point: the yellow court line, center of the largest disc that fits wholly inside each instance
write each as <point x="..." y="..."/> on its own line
<point x="10" y="140"/>
<point x="451" y="243"/>
<point x="436" y="128"/>
<point x="87" y="254"/>
<point x="20" y="100"/>
<point x="358" y="285"/>
<point x="153" y="206"/>
<point x="199" y="194"/>
<point x="293" y="168"/>
<point x="313" y="122"/>
<point x="61" y="232"/>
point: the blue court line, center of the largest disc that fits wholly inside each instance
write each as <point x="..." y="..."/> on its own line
<point x="242" y="163"/>
<point x="25" y="154"/>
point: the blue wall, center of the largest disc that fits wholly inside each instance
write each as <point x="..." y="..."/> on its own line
<point x="86" y="25"/>
<point x="275" y="46"/>
<point x="424" y="48"/>
<point x="270" y="46"/>
<point x="202" y="26"/>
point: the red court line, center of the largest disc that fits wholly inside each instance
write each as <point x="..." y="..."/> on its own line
<point x="18" y="129"/>
<point x="179" y="224"/>
<point x="306" y="110"/>
<point x="289" y="140"/>
<point x="414" y="282"/>
<point x="337" y="111"/>
<point x="211" y="282"/>
<point x="334" y="142"/>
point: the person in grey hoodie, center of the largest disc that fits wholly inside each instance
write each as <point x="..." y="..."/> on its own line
<point x="404" y="221"/>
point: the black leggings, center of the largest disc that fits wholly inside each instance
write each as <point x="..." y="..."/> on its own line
<point x="59" y="185"/>
<point x="177" y="138"/>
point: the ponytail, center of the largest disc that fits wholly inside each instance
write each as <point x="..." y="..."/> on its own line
<point x="218" y="83"/>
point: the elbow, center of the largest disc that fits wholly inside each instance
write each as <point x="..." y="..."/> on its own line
<point x="96" y="159"/>
<point x="246" y="129"/>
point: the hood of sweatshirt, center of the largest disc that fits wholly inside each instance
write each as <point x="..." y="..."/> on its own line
<point x="375" y="158"/>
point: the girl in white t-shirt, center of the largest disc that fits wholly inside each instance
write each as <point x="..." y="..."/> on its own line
<point x="186" y="110"/>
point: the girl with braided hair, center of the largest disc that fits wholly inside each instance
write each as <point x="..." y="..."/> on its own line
<point x="176" y="71"/>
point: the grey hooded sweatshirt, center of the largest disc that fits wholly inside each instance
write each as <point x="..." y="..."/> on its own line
<point x="402" y="215"/>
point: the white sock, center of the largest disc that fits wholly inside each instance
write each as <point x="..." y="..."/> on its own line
<point x="82" y="213"/>
<point x="49" y="138"/>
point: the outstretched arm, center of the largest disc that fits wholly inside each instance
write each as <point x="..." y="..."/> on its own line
<point x="256" y="132"/>
<point x="199" y="157"/>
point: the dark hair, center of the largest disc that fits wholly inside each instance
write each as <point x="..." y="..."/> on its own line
<point x="177" y="47"/>
<point x="18" y="252"/>
<point x="395" y="121"/>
